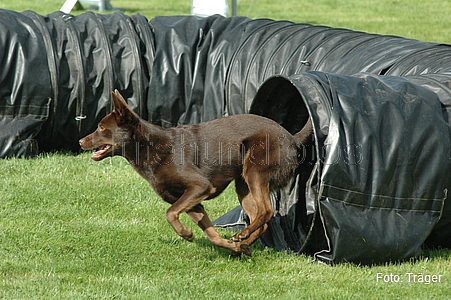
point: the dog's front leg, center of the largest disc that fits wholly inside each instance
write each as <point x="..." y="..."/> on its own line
<point x="172" y="216"/>
<point x="200" y="217"/>
<point x="192" y="196"/>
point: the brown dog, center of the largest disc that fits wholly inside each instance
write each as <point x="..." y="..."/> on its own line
<point x="188" y="164"/>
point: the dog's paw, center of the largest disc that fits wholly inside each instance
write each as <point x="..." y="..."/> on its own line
<point x="187" y="235"/>
<point x="246" y="249"/>
<point x="234" y="254"/>
<point x="234" y="239"/>
<point x="239" y="237"/>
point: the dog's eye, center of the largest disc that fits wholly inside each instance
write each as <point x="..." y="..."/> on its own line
<point x="101" y="127"/>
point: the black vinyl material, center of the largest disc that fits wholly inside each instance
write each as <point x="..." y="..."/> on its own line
<point x="382" y="164"/>
<point x="372" y="184"/>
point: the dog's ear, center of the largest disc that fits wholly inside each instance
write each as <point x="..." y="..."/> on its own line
<point x="120" y="105"/>
<point x="123" y="112"/>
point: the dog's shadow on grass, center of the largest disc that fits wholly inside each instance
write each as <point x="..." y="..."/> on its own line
<point x="218" y="252"/>
<point x="204" y="244"/>
<point x="212" y="252"/>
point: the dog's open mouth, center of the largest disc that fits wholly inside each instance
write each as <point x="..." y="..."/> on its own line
<point x="101" y="152"/>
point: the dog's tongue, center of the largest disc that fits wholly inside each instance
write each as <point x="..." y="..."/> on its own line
<point x="100" y="151"/>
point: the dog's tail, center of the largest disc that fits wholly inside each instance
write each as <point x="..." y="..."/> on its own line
<point x="303" y="136"/>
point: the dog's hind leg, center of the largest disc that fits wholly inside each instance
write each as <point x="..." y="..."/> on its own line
<point x="200" y="217"/>
<point x="255" y="202"/>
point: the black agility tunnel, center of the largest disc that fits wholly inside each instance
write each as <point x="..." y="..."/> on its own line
<point x="373" y="183"/>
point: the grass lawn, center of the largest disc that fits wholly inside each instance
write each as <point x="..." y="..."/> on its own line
<point x="71" y="228"/>
<point x="74" y="228"/>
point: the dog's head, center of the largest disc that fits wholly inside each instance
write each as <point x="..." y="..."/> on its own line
<point x="114" y="131"/>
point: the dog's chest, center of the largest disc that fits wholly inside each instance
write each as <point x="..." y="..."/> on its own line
<point x="162" y="180"/>
<point x="167" y="191"/>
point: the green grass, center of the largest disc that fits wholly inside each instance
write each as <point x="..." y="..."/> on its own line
<point x="71" y="228"/>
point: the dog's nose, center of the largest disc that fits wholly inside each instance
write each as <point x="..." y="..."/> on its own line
<point x="81" y="141"/>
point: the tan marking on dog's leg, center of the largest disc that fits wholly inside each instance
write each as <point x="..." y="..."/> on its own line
<point x="200" y="217"/>
<point x="245" y="245"/>
<point x="257" y="205"/>
<point x="190" y="198"/>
